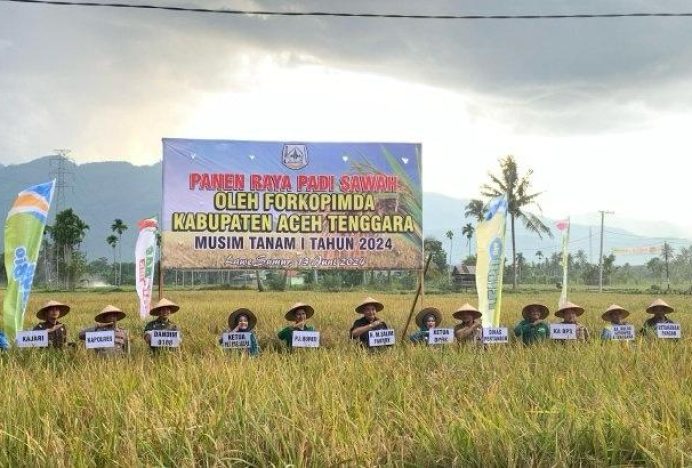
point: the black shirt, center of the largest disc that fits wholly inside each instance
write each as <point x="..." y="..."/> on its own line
<point x="364" y="339"/>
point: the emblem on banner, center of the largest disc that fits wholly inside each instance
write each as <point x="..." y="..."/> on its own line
<point x="295" y="156"/>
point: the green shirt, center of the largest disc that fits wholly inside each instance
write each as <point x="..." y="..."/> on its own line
<point x="286" y="334"/>
<point x="532" y="332"/>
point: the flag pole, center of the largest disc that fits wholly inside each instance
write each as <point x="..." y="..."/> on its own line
<point x="421" y="282"/>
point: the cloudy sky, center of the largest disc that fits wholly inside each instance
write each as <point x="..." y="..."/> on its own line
<point x="600" y="109"/>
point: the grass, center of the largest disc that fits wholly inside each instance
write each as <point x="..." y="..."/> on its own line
<point x="588" y="404"/>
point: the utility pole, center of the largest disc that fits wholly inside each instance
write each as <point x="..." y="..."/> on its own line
<point x="600" y="257"/>
<point x="59" y="171"/>
<point x="590" y="246"/>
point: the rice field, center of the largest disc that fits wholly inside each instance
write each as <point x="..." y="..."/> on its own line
<point x="596" y="403"/>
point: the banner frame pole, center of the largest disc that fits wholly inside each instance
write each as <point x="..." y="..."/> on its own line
<point x="421" y="281"/>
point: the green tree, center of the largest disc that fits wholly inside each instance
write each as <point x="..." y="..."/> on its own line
<point x="433" y="247"/>
<point x="67" y="233"/>
<point x="119" y="227"/>
<point x="468" y="231"/>
<point x="450" y="235"/>
<point x="112" y="240"/>
<point x="476" y="209"/>
<point x="519" y="197"/>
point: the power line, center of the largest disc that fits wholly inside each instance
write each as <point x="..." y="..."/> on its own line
<point x="353" y="15"/>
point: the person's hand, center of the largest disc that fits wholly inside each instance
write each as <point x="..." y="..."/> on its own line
<point x="235" y="330"/>
<point x="147" y="337"/>
<point x="477" y="326"/>
<point x="299" y="325"/>
<point x="376" y="323"/>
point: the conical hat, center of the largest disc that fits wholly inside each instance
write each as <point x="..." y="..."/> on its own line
<point x="434" y="311"/>
<point x="459" y="313"/>
<point x="108" y="310"/>
<point x="567" y="306"/>
<point x="64" y="309"/>
<point x="659" y="303"/>
<point x="614" y="308"/>
<point x="291" y="313"/>
<point x="544" y="310"/>
<point x="164" y="303"/>
<point x="251" y="318"/>
<point x="369" y="300"/>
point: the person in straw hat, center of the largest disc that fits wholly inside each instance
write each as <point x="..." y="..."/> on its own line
<point x="369" y="308"/>
<point x="532" y="328"/>
<point x="107" y="320"/>
<point x="50" y="312"/>
<point x="569" y="312"/>
<point x="162" y="311"/>
<point x="470" y="329"/>
<point x="659" y="309"/>
<point x="615" y="315"/>
<point x="243" y="320"/>
<point x="299" y="314"/>
<point x="427" y="319"/>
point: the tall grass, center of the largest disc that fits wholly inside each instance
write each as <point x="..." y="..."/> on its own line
<point x="591" y="404"/>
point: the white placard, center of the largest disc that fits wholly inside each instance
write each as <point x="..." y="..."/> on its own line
<point x="493" y="335"/>
<point x="236" y="340"/>
<point x="381" y="337"/>
<point x="306" y="339"/>
<point x="563" y="331"/>
<point x="165" y="338"/>
<point x="668" y="330"/>
<point x="622" y="332"/>
<point x="100" y="339"/>
<point x="32" y="339"/>
<point x="437" y="336"/>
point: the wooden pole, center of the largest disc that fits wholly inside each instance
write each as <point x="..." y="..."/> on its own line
<point x="421" y="282"/>
<point x="160" y="281"/>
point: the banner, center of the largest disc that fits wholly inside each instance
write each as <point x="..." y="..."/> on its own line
<point x="490" y="240"/>
<point x="23" y="235"/>
<point x="644" y="250"/>
<point x="252" y="205"/>
<point x="563" y="226"/>
<point x="145" y="260"/>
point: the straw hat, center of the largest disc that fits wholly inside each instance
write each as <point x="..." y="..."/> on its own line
<point x="544" y="310"/>
<point x="459" y="313"/>
<point x="434" y="311"/>
<point x="155" y="311"/>
<point x="251" y="318"/>
<point x="64" y="309"/>
<point x="109" y="310"/>
<point x="614" y="308"/>
<point x="659" y="303"/>
<point x="291" y="314"/>
<point x="369" y="300"/>
<point x="569" y="306"/>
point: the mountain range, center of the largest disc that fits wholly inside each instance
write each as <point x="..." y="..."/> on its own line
<point x="99" y="192"/>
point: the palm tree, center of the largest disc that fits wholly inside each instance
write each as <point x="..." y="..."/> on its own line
<point x="477" y="209"/>
<point x="112" y="240"/>
<point x="119" y="227"/>
<point x="517" y="190"/>
<point x="450" y="235"/>
<point x="67" y="234"/>
<point x="468" y="231"/>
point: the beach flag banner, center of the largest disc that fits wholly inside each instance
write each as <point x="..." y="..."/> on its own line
<point x="563" y="226"/>
<point x="247" y="205"/>
<point x="24" y="228"/>
<point x="490" y="261"/>
<point x="145" y="260"/>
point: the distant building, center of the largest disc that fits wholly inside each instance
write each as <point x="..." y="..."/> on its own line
<point x="464" y="276"/>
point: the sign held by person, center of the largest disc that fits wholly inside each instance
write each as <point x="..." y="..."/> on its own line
<point x="381" y="338"/>
<point x="306" y="339"/>
<point x="100" y="339"/>
<point x="492" y="335"/>
<point x="165" y="338"/>
<point x="563" y="331"/>
<point x="32" y="339"/>
<point x="438" y="336"/>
